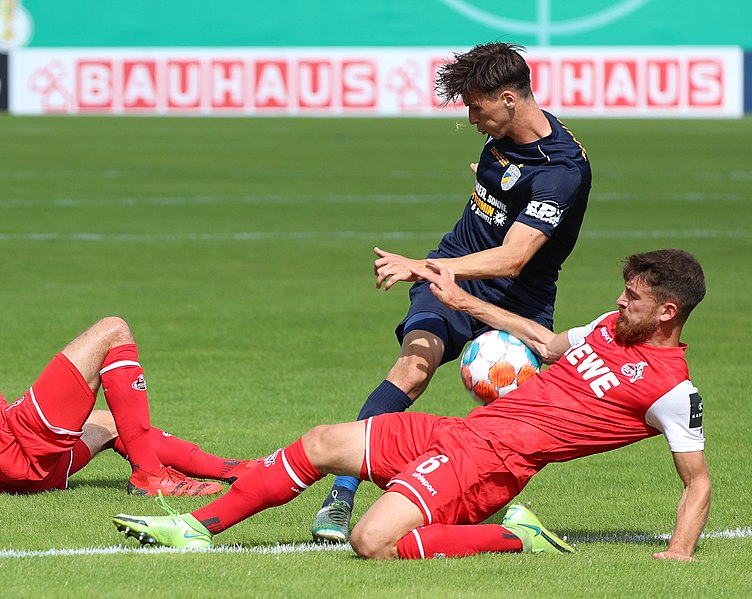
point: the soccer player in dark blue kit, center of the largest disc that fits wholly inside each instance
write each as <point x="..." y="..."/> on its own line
<point x="520" y="224"/>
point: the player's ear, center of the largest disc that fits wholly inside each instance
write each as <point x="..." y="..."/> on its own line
<point x="668" y="311"/>
<point x="508" y="98"/>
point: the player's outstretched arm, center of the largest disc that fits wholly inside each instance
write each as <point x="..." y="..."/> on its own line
<point x="521" y="243"/>
<point x="548" y="345"/>
<point x="693" y="508"/>
<point x="391" y="268"/>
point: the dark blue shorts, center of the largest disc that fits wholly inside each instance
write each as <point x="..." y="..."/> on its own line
<point x="461" y="326"/>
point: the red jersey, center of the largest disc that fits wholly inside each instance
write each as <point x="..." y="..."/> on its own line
<point x="600" y="395"/>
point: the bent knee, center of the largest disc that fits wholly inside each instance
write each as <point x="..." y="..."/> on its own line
<point x="115" y="327"/>
<point x="315" y="442"/>
<point x="367" y="547"/>
<point x="370" y="545"/>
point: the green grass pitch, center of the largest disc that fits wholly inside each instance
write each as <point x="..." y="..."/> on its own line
<point x="240" y="251"/>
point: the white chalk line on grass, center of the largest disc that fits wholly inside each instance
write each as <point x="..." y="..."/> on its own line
<point x="250" y="236"/>
<point x="208" y="200"/>
<point x="294" y="548"/>
<point x="251" y="199"/>
<point x="278" y="549"/>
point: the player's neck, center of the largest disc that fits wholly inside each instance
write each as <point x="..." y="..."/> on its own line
<point x="530" y="124"/>
<point x="668" y="336"/>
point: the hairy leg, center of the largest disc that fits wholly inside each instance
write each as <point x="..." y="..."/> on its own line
<point x="88" y="350"/>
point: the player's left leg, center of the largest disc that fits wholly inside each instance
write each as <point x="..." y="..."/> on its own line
<point x="273" y="481"/>
<point x="106" y="354"/>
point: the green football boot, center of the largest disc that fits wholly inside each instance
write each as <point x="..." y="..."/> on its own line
<point x="332" y="523"/>
<point x="534" y="536"/>
<point x="173" y="530"/>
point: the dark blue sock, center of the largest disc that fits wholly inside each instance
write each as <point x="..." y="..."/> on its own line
<point x="385" y="399"/>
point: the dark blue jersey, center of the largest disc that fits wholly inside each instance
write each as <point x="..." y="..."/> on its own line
<point x="545" y="185"/>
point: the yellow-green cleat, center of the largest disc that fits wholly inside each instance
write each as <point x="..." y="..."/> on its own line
<point x="173" y="530"/>
<point x="534" y="536"/>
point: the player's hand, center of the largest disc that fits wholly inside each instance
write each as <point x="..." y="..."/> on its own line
<point x="474" y="167"/>
<point x="673" y="555"/>
<point x="442" y="284"/>
<point x="392" y="268"/>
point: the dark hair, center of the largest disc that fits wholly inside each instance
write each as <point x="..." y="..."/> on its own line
<point x="673" y="276"/>
<point x="486" y="68"/>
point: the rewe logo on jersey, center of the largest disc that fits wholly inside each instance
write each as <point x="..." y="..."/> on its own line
<point x="590" y="366"/>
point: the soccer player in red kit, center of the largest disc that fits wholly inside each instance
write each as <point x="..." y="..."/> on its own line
<point x="53" y="430"/>
<point x="615" y="381"/>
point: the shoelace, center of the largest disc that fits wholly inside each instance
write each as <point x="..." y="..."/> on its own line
<point x="162" y="503"/>
<point x="339" y="512"/>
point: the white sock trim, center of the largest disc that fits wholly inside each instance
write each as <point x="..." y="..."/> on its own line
<point x="420" y="543"/>
<point x="291" y="473"/>
<point x="118" y="364"/>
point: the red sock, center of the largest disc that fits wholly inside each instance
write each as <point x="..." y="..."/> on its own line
<point x="275" y="480"/>
<point x="81" y="457"/>
<point x="125" y="391"/>
<point x="183" y="455"/>
<point x="441" y="540"/>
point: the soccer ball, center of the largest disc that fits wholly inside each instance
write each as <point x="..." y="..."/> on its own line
<point x="495" y="363"/>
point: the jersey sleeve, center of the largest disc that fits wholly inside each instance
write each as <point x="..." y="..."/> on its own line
<point x="577" y="335"/>
<point x="554" y="190"/>
<point x="678" y="415"/>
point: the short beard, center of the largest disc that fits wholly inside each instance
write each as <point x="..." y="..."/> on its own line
<point x="632" y="333"/>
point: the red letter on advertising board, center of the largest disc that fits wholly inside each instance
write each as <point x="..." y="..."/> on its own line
<point x="271" y="88"/>
<point x="359" y="89"/>
<point x="227" y="84"/>
<point x="183" y="84"/>
<point x="542" y="81"/>
<point x="620" y="86"/>
<point x="94" y="85"/>
<point x="705" y="83"/>
<point x="315" y="83"/>
<point x="139" y="84"/>
<point x="662" y="83"/>
<point x="578" y="83"/>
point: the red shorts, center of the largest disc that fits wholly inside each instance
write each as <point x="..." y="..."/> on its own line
<point x="38" y="432"/>
<point x="450" y="473"/>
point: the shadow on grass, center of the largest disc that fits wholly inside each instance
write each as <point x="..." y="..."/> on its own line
<point x="98" y="483"/>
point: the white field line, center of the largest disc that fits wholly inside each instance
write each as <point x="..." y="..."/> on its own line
<point x="278" y="549"/>
<point x="229" y="199"/>
<point x="340" y="235"/>
<point x="201" y="200"/>
<point x="295" y="548"/>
